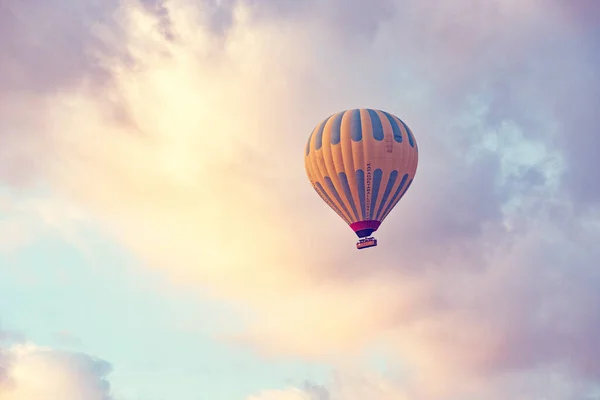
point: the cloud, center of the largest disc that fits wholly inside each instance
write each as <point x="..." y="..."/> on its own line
<point x="545" y="384"/>
<point x="187" y="144"/>
<point x="58" y="37"/>
<point x="30" y="372"/>
<point x="343" y="386"/>
<point x="23" y="221"/>
<point x="290" y="394"/>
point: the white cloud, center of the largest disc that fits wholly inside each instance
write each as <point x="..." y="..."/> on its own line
<point x="37" y="373"/>
<point x="289" y="394"/>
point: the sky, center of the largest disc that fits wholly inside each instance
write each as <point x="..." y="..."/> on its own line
<point x="159" y="238"/>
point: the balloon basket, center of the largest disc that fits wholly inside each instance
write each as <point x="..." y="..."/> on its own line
<point x="366" y="243"/>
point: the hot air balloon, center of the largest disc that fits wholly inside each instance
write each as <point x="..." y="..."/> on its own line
<point x="361" y="162"/>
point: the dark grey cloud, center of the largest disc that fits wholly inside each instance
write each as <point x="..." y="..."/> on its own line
<point x="159" y="9"/>
<point x="315" y="391"/>
<point x="46" y="47"/>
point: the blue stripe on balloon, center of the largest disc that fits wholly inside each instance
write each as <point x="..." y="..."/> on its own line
<point x="308" y="143"/>
<point x="395" y="127"/>
<point x="336" y="129"/>
<point x="403" y="193"/>
<point x="386" y="194"/>
<point x="336" y="195"/>
<point x="409" y="133"/>
<point x="329" y="202"/>
<point x="360" y="184"/>
<point x="375" y="190"/>
<point x="319" y="134"/>
<point x="407" y="187"/>
<point x="395" y="196"/>
<point x="355" y="125"/>
<point x="376" y="125"/>
<point x="348" y="192"/>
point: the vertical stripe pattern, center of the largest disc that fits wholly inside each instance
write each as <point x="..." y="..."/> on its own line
<point x="361" y="162"/>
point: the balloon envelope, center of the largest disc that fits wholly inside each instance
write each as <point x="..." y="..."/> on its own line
<point x="361" y="162"/>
